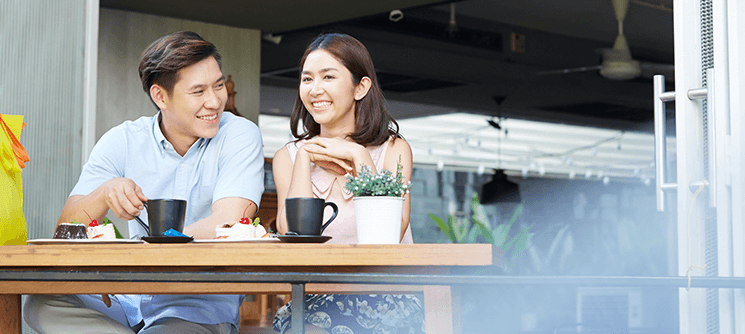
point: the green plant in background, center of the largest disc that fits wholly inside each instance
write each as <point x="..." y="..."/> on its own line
<point x="481" y="231"/>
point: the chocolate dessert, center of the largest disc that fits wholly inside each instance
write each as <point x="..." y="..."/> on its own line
<point x="71" y="231"/>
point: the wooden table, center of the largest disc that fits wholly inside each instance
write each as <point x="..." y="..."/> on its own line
<point x="234" y="268"/>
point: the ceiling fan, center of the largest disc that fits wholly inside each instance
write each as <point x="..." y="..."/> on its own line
<point x="617" y="62"/>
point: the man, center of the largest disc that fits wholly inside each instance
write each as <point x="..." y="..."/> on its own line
<point x="189" y="150"/>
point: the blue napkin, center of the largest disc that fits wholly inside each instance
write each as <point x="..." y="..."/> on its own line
<point x="174" y="233"/>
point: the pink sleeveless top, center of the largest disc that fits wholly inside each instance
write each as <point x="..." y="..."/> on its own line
<point x="343" y="228"/>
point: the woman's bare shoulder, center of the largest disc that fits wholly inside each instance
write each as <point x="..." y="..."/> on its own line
<point x="398" y="148"/>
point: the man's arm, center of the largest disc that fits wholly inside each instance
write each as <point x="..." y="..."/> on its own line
<point x="121" y="195"/>
<point x="225" y="210"/>
<point x="240" y="181"/>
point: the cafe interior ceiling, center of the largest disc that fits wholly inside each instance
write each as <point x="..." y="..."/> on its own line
<point x="444" y="67"/>
<point x="460" y="57"/>
<point x="523" y="148"/>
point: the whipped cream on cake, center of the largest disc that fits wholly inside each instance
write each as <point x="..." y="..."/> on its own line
<point x="242" y="230"/>
<point x="101" y="231"/>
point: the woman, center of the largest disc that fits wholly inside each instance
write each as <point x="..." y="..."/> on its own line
<point x="345" y="126"/>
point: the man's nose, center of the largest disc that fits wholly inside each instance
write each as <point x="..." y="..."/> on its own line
<point x="213" y="99"/>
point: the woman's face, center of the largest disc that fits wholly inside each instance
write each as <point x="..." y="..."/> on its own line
<point x="328" y="91"/>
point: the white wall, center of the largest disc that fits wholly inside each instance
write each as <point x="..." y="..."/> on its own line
<point x="123" y="36"/>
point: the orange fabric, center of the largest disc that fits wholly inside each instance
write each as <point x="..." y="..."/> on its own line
<point x="18" y="150"/>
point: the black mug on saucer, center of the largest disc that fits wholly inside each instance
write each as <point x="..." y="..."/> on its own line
<point x="163" y="215"/>
<point x="305" y="215"/>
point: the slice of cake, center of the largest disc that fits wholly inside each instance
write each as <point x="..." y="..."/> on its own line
<point x="241" y="230"/>
<point x="70" y="231"/>
<point x="101" y="231"/>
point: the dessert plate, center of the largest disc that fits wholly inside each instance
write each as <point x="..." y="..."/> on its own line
<point x="82" y="241"/>
<point x="218" y="241"/>
<point x="316" y="239"/>
<point x="167" y="240"/>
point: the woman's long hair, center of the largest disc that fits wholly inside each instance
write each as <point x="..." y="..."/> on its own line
<point x="373" y="124"/>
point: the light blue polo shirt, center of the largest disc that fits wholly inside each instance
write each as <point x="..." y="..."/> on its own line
<point x="231" y="164"/>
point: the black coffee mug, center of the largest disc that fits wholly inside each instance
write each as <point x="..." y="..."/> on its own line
<point x="305" y="215"/>
<point x="163" y="215"/>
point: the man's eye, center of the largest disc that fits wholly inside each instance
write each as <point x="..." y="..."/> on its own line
<point x="197" y="92"/>
<point x="328" y="76"/>
<point x="220" y="85"/>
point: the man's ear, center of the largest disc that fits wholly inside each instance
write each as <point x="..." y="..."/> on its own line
<point x="362" y="88"/>
<point x="159" y="96"/>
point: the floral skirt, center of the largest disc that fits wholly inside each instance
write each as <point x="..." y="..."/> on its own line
<point x="355" y="314"/>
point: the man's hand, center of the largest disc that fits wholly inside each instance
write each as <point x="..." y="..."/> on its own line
<point x="123" y="197"/>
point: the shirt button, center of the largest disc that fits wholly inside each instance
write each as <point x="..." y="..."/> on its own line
<point x="182" y="165"/>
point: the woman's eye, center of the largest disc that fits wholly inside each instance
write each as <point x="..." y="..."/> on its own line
<point x="328" y="76"/>
<point x="305" y="79"/>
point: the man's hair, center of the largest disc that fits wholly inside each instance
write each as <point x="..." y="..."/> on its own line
<point x="162" y="60"/>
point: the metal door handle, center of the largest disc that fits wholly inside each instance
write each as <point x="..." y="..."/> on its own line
<point x="660" y="142"/>
<point x="708" y="94"/>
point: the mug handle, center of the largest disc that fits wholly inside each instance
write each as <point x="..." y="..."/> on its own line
<point x="336" y="211"/>
<point x="146" y="227"/>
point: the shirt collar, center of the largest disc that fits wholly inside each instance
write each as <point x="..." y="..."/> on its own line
<point x="160" y="138"/>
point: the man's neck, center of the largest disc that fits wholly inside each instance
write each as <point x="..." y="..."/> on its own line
<point x="180" y="146"/>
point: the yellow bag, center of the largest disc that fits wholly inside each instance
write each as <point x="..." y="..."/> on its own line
<point x="12" y="158"/>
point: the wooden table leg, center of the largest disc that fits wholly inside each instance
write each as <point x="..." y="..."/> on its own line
<point x="10" y="314"/>
<point x="438" y="315"/>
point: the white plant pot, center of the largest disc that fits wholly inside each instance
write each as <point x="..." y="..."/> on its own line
<point x="378" y="219"/>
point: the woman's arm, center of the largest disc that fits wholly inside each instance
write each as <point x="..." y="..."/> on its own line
<point x="291" y="180"/>
<point x="400" y="148"/>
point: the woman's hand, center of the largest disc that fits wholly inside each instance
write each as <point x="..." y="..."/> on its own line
<point x="331" y="163"/>
<point x="348" y="155"/>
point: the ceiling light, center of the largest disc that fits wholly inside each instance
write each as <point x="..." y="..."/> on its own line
<point x="272" y="38"/>
<point x="500" y="189"/>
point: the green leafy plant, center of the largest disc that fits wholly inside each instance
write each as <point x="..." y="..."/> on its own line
<point x="479" y="230"/>
<point x="106" y="221"/>
<point x="384" y="183"/>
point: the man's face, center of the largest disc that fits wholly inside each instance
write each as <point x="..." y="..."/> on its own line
<point x="193" y="109"/>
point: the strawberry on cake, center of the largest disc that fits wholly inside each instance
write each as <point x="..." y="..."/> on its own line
<point x="242" y="230"/>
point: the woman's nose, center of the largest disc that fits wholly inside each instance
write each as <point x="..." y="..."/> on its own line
<point x="316" y="89"/>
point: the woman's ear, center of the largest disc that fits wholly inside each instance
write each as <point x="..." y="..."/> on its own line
<point x="362" y="88"/>
<point x="159" y="96"/>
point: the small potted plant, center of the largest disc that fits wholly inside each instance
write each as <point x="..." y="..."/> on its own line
<point x="378" y="204"/>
